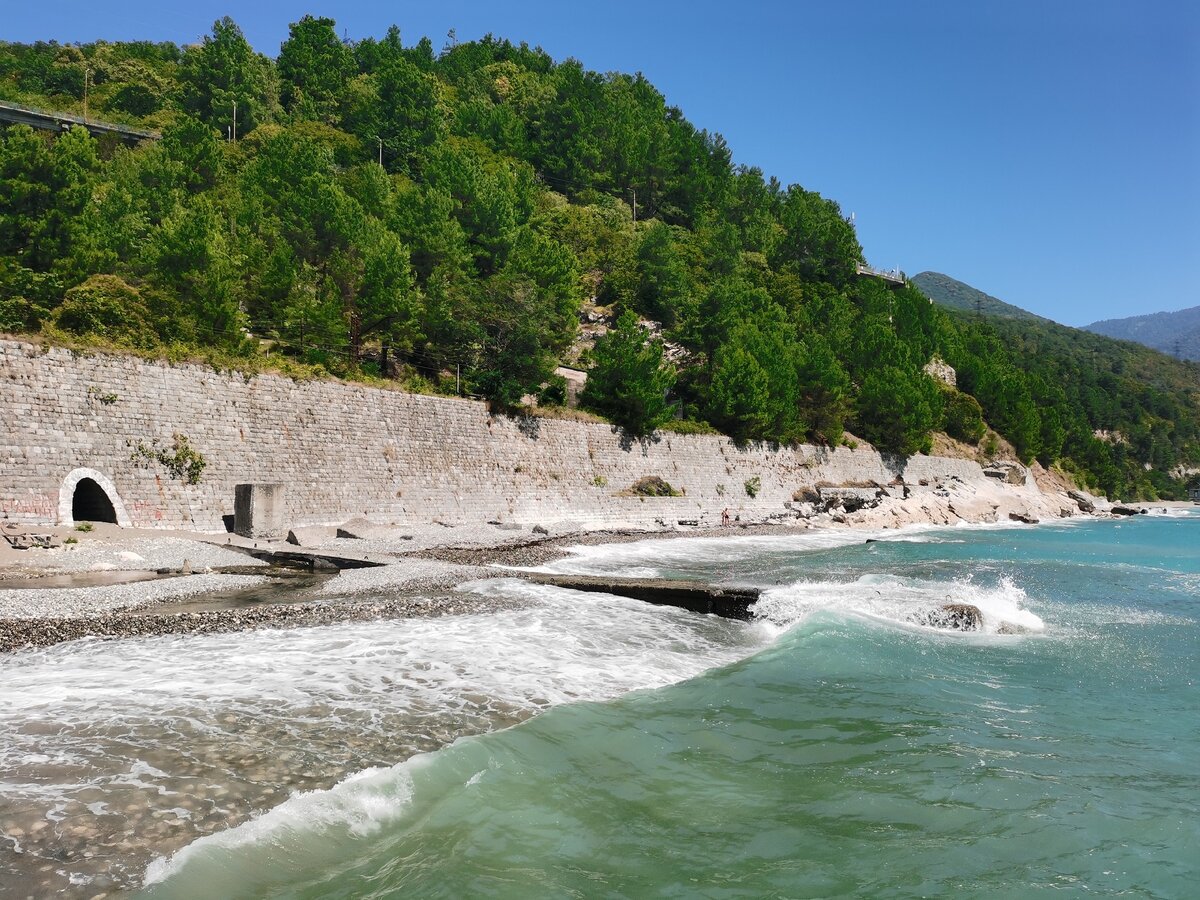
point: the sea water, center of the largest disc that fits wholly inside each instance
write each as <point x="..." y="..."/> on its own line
<point x="592" y="746"/>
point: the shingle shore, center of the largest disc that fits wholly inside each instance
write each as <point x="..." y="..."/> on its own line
<point x="38" y="617"/>
<point x="17" y="634"/>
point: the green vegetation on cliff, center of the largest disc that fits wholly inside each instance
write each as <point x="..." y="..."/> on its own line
<point x="954" y="294"/>
<point x="442" y="216"/>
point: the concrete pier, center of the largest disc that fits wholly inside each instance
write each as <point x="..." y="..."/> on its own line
<point x="729" y="602"/>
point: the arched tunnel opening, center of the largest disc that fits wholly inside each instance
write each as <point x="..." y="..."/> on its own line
<point x="89" y="503"/>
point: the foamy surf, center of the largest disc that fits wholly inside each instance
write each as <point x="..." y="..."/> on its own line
<point x="899" y="601"/>
<point x="139" y="748"/>
<point x="659" y="557"/>
<point x="314" y="827"/>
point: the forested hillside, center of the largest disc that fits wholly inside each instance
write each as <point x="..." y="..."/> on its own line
<point x="1176" y="333"/>
<point x="954" y="294"/>
<point x="440" y="216"/>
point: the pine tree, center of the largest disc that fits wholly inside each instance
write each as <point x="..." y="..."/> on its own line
<point x="630" y="380"/>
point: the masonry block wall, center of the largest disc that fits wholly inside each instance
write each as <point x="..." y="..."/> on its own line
<point x="345" y="451"/>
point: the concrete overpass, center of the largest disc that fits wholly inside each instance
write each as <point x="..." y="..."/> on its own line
<point x="16" y="114"/>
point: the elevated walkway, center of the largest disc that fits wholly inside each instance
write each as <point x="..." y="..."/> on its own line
<point x="16" y="114"/>
<point x="892" y="276"/>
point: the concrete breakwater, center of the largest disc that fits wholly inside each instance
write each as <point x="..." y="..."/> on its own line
<point x="89" y="427"/>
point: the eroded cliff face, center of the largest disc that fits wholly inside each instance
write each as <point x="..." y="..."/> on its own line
<point x="345" y="451"/>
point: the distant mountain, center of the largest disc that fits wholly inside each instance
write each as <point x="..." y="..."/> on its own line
<point x="1176" y="333"/>
<point x="951" y="293"/>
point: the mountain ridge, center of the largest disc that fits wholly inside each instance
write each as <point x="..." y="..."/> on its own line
<point x="951" y="293"/>
<point x="1176" y="333"/>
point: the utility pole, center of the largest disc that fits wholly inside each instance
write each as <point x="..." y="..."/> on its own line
<point x="233" y="130"/>
<point x="378" y="138"/>
<point x="87" y="75"/>
<point x="634" y="205"/>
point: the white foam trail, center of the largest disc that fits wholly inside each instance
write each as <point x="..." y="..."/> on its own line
<point x="106" y="714"/>
<point x="354" y="808"/>
<point x="568" y="648"/>
<point x="1173" y="512"/>
<point x="650" y="558"/>
<point x="654" y="557"/>
<point x="897" y="600"/>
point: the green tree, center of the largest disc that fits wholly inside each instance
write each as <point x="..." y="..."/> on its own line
<point x="26" y="297"/>
<point x="740" y="393"/>
<point x="630" y="379"/>
<point x="817" y="242"/>
<point x="224" y="70"/>
<point x="962" y="417"/>
<point x="664" y="284"/>
<point x="512" y="353"/>
<point x="409" y="114"/>
<point x="897" y="410"/>
<point x="824" y="390"/>
<point x="314" y="68"/>
<point x="26" y="190"/>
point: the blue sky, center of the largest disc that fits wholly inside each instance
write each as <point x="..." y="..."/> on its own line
<point x="1046" y="152"/>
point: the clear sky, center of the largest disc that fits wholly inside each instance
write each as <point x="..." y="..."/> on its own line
<point x="1045" y="151"/>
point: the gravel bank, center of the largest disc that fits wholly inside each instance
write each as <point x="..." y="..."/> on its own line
<point x="76" y="603"/>
<point x="411" y="575"/>
<point x="133" y="554"/>
<point x="16" y="634"/>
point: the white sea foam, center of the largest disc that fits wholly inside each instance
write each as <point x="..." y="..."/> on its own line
<point x="569" y="647"/>
<point x="899" y="600"/>
<point x="120" y="714"/>
<point x="310" y="825"/>
<point x="161" y="721"/>
<point x="658" y="646"/>
<point x="658" y="556"/>
<point x="1174" y="512"/>
<point x="651" y="558"/>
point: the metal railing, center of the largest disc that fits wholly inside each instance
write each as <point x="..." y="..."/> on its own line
<point x="49" y="120"/>
<point x="888" y="275"/>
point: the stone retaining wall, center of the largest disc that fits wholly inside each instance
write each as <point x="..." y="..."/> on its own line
<point x="345" y="450"/>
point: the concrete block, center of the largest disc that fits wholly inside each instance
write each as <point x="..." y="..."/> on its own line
<point x="311" y="535"/>
<point x="258" y="510"/>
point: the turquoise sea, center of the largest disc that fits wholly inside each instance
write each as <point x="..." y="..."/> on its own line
<point x="606" y="748"/>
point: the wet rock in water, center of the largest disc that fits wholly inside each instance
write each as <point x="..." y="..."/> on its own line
<point x="1022" y="517"/>
<point x="950" y="617"/>
<point x="1083" y="500"/>
<point x="1120" y="510"/>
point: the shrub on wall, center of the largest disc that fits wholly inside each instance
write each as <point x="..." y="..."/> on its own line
<point x="182" y="461"/>
<point x="106" y="307"/>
